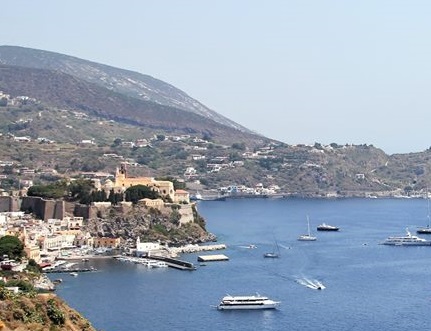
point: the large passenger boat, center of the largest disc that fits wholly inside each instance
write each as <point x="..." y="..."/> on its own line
<point x="247" y="302"/>
<point x="407" y="240"/>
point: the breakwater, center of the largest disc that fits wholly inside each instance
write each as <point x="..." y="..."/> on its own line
<point x="174" y="251"/>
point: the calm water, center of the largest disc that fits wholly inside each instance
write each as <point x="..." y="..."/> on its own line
<point x="368" y="286"/>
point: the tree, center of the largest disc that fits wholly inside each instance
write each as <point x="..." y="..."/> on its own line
<point x="81" y="188"/>
<point x="138" y="192"/>
<point x="239" y="146"/>
<point x="51" y="191"/>
<point x="12" y="247"/>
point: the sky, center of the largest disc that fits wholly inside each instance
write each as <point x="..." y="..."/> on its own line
<point x="299" y="71"/>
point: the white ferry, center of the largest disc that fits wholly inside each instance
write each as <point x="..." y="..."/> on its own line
<point x="247" y="302"/>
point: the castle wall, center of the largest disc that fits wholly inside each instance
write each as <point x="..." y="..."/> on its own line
<point x="186" y="213"/>
<point x="42" y="208"/>
<point x="9" y="204"/>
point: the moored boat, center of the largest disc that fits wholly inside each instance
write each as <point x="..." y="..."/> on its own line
<point x="426" y="229"/>
<point x="407" y="240"/>
<point x="327" y="227"/>
<point x="308" y="236"/>
<point x="247" y="302"/>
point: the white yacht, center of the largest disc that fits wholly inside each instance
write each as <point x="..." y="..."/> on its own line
<point x="407" y="240"/>
<point x="247" y="302"/>
<point x="308" y="236"/>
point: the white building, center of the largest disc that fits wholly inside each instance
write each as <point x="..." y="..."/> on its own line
<point x="146" y="248"/>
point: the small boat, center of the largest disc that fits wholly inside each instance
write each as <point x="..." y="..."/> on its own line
<point x="57" y="281"/>
<point x="407" y="240"/>
<point x="424" y="230"/>
<point x="74" y="274"/>
<point x="247" y="302"/>
<point x="327" y="227"/>
<point x="275" y="252"/>
<point x="308" y="236"/>
<point x="427" y="228"/>
<point x="196" y="197"/>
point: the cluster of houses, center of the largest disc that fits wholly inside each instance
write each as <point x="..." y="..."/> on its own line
<point x="7" y="100"/>
<point x="46" y="239"/>
<point x="43" y="238"/>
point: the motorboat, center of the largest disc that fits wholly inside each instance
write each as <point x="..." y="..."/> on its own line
<point x="155" y="264"/>
<point x="247" y="302"/>
<point x="424" y="230"/>
<point x="272" y="255"/>
<point x="407" y="240"/>
<point x="327" y="227"/>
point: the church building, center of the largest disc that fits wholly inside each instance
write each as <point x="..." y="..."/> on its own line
<point x="122" y="182"/>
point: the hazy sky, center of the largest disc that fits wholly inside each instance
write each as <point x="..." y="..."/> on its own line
<point x="299" y="71"/>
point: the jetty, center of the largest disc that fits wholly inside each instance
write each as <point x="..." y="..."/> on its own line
<point x="175" y="263"/>
<point x="60" y="270"/>
<point x="195" y="248"/>
<point x="212" y="258"/>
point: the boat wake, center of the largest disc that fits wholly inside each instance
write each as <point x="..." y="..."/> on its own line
<point x="313" y="284"/>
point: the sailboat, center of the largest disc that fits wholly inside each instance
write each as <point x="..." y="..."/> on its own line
<point x="308" y="236"/>
<point x="275" y="252"/>
<point x="426" y="229"/>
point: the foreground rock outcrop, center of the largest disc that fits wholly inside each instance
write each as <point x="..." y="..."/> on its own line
<point x="38" y="312"/>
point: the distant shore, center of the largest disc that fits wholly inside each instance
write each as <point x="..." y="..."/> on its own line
<point x="363" y="195"/>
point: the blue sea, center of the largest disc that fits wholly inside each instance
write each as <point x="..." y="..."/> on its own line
<point x="368" y="286"/>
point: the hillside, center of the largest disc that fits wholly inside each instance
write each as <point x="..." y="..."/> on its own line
<point x="56" y="89"/>
<point x="67" y="125"/>
<point x="55" y="149"/>
<point x="129" y="83"/>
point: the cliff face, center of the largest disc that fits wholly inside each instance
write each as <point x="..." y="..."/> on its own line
<point x="150" y="224"/>
<point x="38" y="312"/>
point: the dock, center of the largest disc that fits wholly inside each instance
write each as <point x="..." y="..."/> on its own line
<point x="211" y="258"/>
<point x="59" y="270"/>
<point x="175" y="263"/>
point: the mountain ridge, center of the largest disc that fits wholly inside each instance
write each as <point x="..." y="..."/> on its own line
<point x="130" y="83"/>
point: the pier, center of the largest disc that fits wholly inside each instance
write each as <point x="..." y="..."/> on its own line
<point x="175" y="263"/>
<point x="58" y="271"/>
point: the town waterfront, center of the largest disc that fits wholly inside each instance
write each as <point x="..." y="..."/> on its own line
<point x="368" y="286"/>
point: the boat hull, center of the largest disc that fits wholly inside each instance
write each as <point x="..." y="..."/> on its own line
<point x="271" y="255"/>
<point x="424" y="231"/>
<point x="428" y="243"/>
<point x="246" y="303"/>
<point x="327" y="227"/>
<point x="307" y="238"/>
<point x="248" y="307"/>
